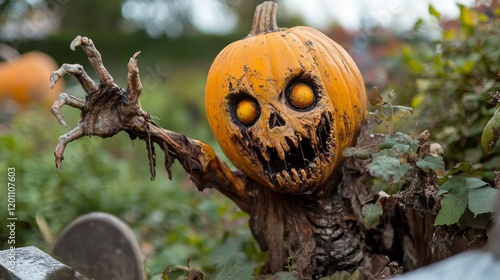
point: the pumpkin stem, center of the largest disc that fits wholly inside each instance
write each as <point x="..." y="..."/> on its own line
<point x="264" y="19"/>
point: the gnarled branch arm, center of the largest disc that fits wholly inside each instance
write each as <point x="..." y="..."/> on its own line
<point x="108" y="109"/>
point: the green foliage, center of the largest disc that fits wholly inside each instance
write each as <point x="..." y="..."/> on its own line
<point x="344" y="275"/>
<point x="171" y="219"/>
<point x="371" y="214"/>
<point x="429" y="163"/>
<point x="491" y="132"/>
<point x="388" y="168"/>
<point x="397" y="157"/>
<point x="230" y="269"/>
<point x="460" y="191"/>
<point x="448" y="81"/>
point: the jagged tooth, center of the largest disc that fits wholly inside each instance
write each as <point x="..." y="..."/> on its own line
<point x="284" y="145"/>
<point x="280" y="180"/>
<point x="320" y="158"/>
<point x="319" y="161"/>
<point x="263" y="152"/>
<point x="298" y="137"/>
<point x="287" y="176"/>
<point x="281" y="152"/>
<point x="314" y="140"/>
<point x="294" y="141"/>
<point x="304" y="174"/>
<point x="311" y="170"/>
<point x="296" y="176"/>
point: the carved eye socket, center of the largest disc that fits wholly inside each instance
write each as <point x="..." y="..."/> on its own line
<point x="301" y="96"/>
<point x="247" y="111"/>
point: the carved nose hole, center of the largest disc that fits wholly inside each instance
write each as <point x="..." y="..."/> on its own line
<point x="276" y="120"/>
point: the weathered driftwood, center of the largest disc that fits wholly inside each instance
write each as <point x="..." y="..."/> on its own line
<point x="323" y="231"/>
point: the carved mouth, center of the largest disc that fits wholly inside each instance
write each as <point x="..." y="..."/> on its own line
<point x="300" y="167"/>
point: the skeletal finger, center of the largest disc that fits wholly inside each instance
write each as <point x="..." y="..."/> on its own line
<point x="94" y="57"/>
<point x="88" y="85"/>
<point x="74" y="134"/>
<point x="65" y="99"/>
<point x="134" y="87"/>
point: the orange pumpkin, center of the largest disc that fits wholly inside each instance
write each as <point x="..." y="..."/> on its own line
<point x="25" y="80"/>
<point x="284" y="103"/>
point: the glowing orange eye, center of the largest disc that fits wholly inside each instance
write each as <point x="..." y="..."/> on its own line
<point x="247" y="111"/>
<point x="301" y="96"/>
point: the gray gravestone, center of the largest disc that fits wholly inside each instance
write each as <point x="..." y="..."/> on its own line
<point x="30" y="263"/>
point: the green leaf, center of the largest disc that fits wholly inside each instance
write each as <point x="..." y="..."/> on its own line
<point x="462" y="167"/>
<point x="371" y="214"/>
<point x="344" y="275"/>
<point x="455" y="184"/>
<point x="449" y="34"/>
<point x="452" y="208"/>
<point x="473" y="183"/>
<point x="400" y="142"/>
<point x="434" y="12"/>
<point x="396" y="112"/>
<point x="362" y="154"/>
<point x="431" y="163"/>
<point x="359" y="153"/>
<point x="491" y="132"/>
<point x="230" y="270"/>
<point x="349" y="152"/>
<point x="482" y="200"/>
<point x="388" y="169"/>
<point x="459" y="183"/>
<point x="466" y="16"/>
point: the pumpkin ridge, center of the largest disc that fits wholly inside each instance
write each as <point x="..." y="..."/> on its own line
<point x="343" y="65"/>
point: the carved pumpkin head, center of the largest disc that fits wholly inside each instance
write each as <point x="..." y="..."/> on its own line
<point x="284" y="103"/>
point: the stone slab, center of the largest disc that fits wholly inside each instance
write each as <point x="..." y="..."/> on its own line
<point x="31" y="263"/>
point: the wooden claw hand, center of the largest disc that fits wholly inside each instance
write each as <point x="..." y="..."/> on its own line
<point x="107" y="108"/>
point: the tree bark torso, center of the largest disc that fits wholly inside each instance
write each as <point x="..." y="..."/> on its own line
<point x="322" y="230"/>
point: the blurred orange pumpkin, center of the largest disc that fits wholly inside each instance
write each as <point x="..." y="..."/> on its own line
<point x="24" y="81"/>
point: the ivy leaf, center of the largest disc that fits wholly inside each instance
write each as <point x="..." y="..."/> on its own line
<point x="454" y="184"/>
<point x="453" y="205"/>
<point x="388" y="169"/>
<point x="371" y="214"/>
<point x="482" y="200"/>
<point x="473" y="183"/>
<point x="466" y="16"/>
<point x="349" y="152"/>
<point x="491" y="132"/>
<point x="431" y="163"/>
<point x="399" y="141"/>
<point x="434" y="12"/>
<point x="229" y="270"/>
<point x="344" y="275"/>
<point x="396" y="112"/>
<point x="461" y="167"/>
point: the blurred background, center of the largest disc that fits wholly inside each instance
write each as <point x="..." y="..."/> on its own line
<point x="439" y="57"/>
